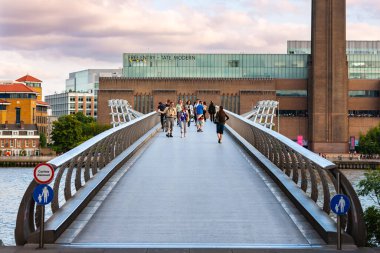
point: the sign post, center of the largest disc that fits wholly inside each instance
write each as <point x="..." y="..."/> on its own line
<point x="43" y="194"/>
<point x="339" y="204"/>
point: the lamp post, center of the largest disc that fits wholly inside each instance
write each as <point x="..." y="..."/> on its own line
<point x="278" y="116"/>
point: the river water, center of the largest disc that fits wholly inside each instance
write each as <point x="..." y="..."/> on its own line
<point x="14" y="181"/>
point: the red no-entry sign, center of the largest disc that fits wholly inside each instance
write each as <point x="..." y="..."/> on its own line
<point x="43" y="173"/>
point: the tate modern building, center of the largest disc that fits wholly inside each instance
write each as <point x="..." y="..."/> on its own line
<point x="327" y="88"/>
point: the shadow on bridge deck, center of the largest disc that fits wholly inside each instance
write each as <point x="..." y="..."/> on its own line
<point x="191" y="192"/>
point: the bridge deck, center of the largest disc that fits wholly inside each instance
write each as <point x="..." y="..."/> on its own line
<point x="194" y="191"/>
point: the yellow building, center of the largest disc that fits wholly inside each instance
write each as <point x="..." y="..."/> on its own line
<point x="23" y="103"/>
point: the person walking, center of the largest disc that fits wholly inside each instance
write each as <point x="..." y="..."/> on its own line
<point x="189" y="108"/>
<point x="178" y="107"/>
<point x="171" y="114"/>
<point x="200" y="117"/>
<point x="212" y="111"/>
<point x="184" y="118"/>
<point x="195" y="112"/>
<point x="162" y="107"/>
<point x="204" y="110"/>
<point x="220" y="120"/>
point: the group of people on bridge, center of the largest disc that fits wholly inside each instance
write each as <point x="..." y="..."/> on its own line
<point x="186" y="113"/>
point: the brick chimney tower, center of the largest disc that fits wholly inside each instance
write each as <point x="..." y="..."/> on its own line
<point x="328" y="83"/>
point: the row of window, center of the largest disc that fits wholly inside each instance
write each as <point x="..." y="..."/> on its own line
<point x="80" y="99"/>
<point x="364" y="93"/>
<point x="41" y="120"/>
<point x="18" y="95"/>
<point x="293" y="113"/>
<point x="19" y="132"/>
<point x="80" y="106"/>
<point x="10" y="143"/>
<point x="351" y="113"/>
<point x="41" y="109"/>
<point x="364" y="113"/>
<point x="291" y="93"/>
<point x="143" y="103"/>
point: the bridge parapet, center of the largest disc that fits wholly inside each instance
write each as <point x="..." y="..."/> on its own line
<point x="73" y="171"/>
<point x="314" y="175"/>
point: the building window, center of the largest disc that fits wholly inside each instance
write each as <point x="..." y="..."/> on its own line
<point x="80" y="99"/>
<point x="364" y="93"/>
<point x="291" y="93"/>
<point x="11" y="143"/>
<point x="364" y="113"/>
<point x="72" y="99"/>
<point x="88" y="99"/>
<point x="2" y="143"/>
<point x="18" y="144"/>
<point x="26" y="143"/>
<point x="3" y="107"/>
<point x="293" y="113"/>
<point x="30" y="133"/>
<point x="14" y="132"/>
<point x="33" y="143"/>
<point x="233" y="64"/>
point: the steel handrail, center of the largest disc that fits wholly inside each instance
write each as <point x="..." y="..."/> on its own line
<point x="308" y="170"/>
<point x="75" y="167"/>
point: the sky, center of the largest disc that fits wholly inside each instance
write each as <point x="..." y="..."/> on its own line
<point x="48" y="39"/>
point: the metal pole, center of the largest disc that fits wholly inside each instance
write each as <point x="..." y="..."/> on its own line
<point x="338" y="224"/>
<point x="42" y="227"/>
<point x="278" y="117"/>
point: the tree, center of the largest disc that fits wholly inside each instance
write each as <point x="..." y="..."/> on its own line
<point x="67" y="133"/>
<point x="370" y="186"/>
<point x="43" y="140"/>
<point x="71" y="130"/>
<point x="370" y="142"/>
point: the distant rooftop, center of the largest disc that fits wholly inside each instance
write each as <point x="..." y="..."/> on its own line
<point x="28" y="79"/>
<point x="15" y="87"/>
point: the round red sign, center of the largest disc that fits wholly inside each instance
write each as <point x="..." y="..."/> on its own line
<point x="43" y="173"/>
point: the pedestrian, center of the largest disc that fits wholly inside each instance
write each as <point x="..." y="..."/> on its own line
<point x="200" y="117"/>
<point x="162" y="107"/>
<point x="195" y="112"/>
<point x="171" y="114"/>
<point x="178" y="107"/>
<point x="220" y="120"/>
<point x="204" y="110"/>
<point x="189" y="108"/>
<point x="212" y="111"/>
<point x="184" y="118"/>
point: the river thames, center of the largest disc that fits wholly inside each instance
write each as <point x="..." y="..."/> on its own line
<point x="14" y="181"/>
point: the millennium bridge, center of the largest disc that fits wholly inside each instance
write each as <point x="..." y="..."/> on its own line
<point x="132" y="187"/>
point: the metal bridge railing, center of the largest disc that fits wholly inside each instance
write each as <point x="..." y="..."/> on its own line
<point x="316" y="176"/>
<point x="74" y="168"/>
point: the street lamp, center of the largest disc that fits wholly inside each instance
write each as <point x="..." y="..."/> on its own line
<point x="278" y="116"/>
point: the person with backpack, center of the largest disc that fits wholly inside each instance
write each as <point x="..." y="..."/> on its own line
<point x="184" y="118"/>
<point x="220" y="120"/>
<point x="212" y="111"/>
<point x="161" y="107"/>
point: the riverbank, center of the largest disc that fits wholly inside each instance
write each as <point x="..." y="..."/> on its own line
<point x="23" y="161"/>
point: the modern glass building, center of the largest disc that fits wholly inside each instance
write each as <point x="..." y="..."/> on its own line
<point x="274" y="66"/>
<point x="363" y="57"/>
<point x="88" y="80"/>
